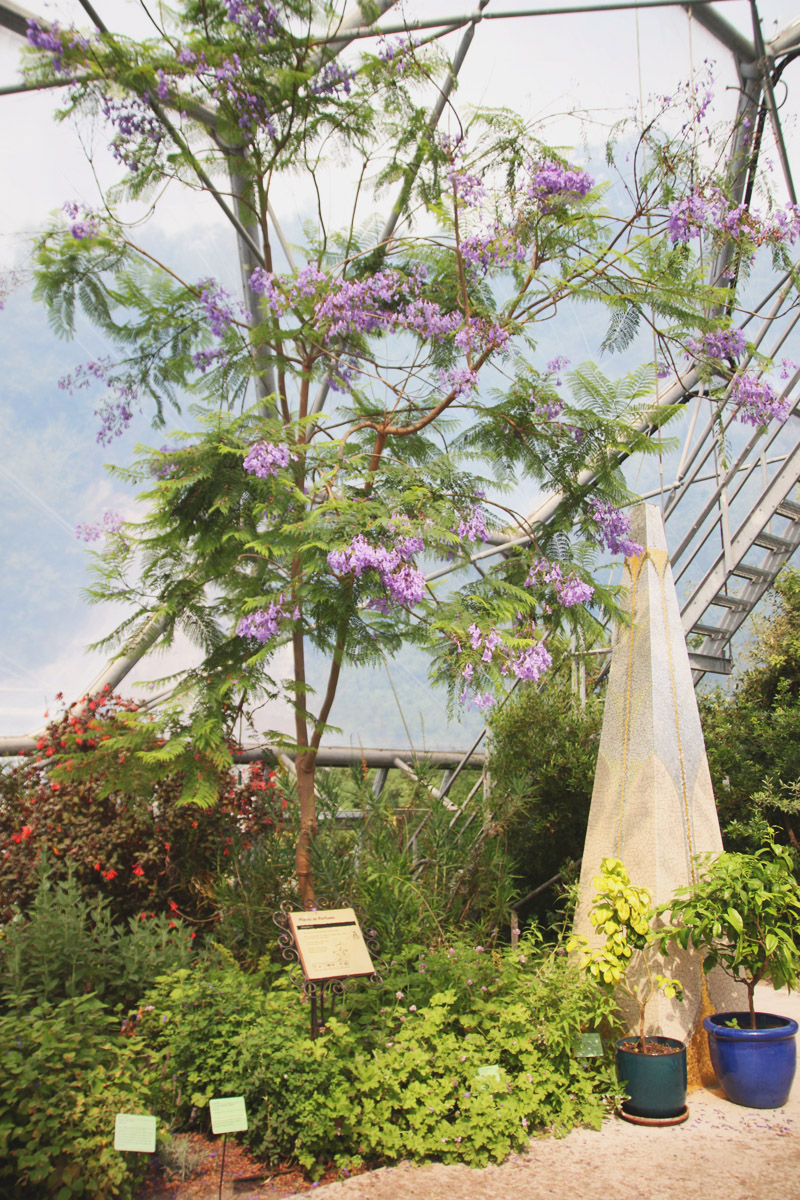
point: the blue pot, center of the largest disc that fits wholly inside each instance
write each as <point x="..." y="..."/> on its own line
<point x="755" y="1067"/>
<point x="655" y="1083"/>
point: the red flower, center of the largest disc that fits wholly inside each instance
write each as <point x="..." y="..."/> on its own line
<point x="167" y="847"/>
<point x="137" y="870"/>
<point x="173" y="906"/>
<point x="172" y="925"/>
<point x="26" y="832"/>
<point x="16" y="837"/>
<point x="110" y="874"/>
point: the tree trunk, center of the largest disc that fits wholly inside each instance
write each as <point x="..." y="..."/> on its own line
<point x="306" y="765"/>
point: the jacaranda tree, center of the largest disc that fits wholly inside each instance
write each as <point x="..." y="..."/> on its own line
<point x="359" y="413"/>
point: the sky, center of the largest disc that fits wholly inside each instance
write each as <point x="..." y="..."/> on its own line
<point x="575" y="73"/>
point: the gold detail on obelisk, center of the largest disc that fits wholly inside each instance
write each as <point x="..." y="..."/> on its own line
<point x="699" y="1070"/>
<point x="687" y="819"/>
<point x="633" y="565"/>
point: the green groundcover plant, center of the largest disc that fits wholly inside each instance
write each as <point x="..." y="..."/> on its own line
<point x="398" y="1073"/>
<point x="66" y="1074"/>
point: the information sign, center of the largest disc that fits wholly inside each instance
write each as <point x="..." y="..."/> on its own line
<point x="591" y="1046"/>
<point x="133" y="1131"/>
<point x="228" y="1114"/>
<point x="330" y="944"/>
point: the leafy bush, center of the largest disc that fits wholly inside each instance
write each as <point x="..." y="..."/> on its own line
<point x="418" y="873"/>
<point x="752" y="733"/>
<point x="103" y="797"/>
<point x="66" y="1074"/>
<point x="543" y="753"/>
<point x="68" y="945"/>
<point x="389" y="1080"/>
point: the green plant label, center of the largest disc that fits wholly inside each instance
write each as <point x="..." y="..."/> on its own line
<point x="228" y="1114"/>
<point x="133" y="1131"/>
<point x="591" y="1046"/>
<point x="488" y="1075"/>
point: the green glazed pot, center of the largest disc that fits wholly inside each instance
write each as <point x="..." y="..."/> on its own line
<point x="655" y="1083"/>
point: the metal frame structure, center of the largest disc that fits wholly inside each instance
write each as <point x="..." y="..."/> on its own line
<point x="745" y="523"/>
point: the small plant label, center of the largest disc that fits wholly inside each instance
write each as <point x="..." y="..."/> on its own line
<point x="133" y="1131"/>
<point x="485" y="1076"/>
<point x="228" y="1114"/>
<point x="590" y="1046"/>
<point x="330" y="944"/>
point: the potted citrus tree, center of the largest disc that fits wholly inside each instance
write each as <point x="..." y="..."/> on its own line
<point x="743" y="915"/>
<point x="651" y="1068"/>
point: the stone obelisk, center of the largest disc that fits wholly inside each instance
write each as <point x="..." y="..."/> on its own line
<point x="652" y="803"/>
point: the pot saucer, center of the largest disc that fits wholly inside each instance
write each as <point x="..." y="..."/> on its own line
<point x="655" y="1122"/>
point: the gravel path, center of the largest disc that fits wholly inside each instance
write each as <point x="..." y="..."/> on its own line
<point x="722" y="1152"/>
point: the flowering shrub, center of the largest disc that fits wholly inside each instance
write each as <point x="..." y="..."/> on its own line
<point x="130" y="839"/>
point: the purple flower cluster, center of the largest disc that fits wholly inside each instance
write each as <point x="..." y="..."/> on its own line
<point x="332" y="79"/>
<point x="205" y="359"/>
<point x="528" y="664"/>
<point x="302" y="285"/>
<point x="497" y="248"/>
<point x="53" y="40"/>
<point x="228" y="84"/>
<point x="549" y="410"/>
<point x="85" y="374"/>
<point x="756" y="402"/>
<point x="404" y="582"/>
<point x="550" y="179"/>
<point x="218" y="308"/>
<point x="711" y="212"/>
<point x="479" y="334"/>
<point x="719" y="343"/>
<point x="265" y="459"/>
<point x="692" y="216"/>
<point x="461" y="380"/>
<point x="363" y="305"/>
<point x="261" y="19"/>
<point x="116" y="410"/>
<point x="166" y="468"/>
<point x="115" y="414"/>
<point x="136" y="125"/>
<point x="467" y="188"/>
<point x="532" y="663"/>
<point x="570" y="589"/>
<point x="111" y="523"/>
<point x="84" y="223"/>
<point x="474" y="528"/>
<point x="783" y="225"/>
<point x="264" y="623"/>
<point x="613" y="528"/>
<point x="397" y="50"/>
<point x="556" y="366"/>
<point x="490" y="642"/>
